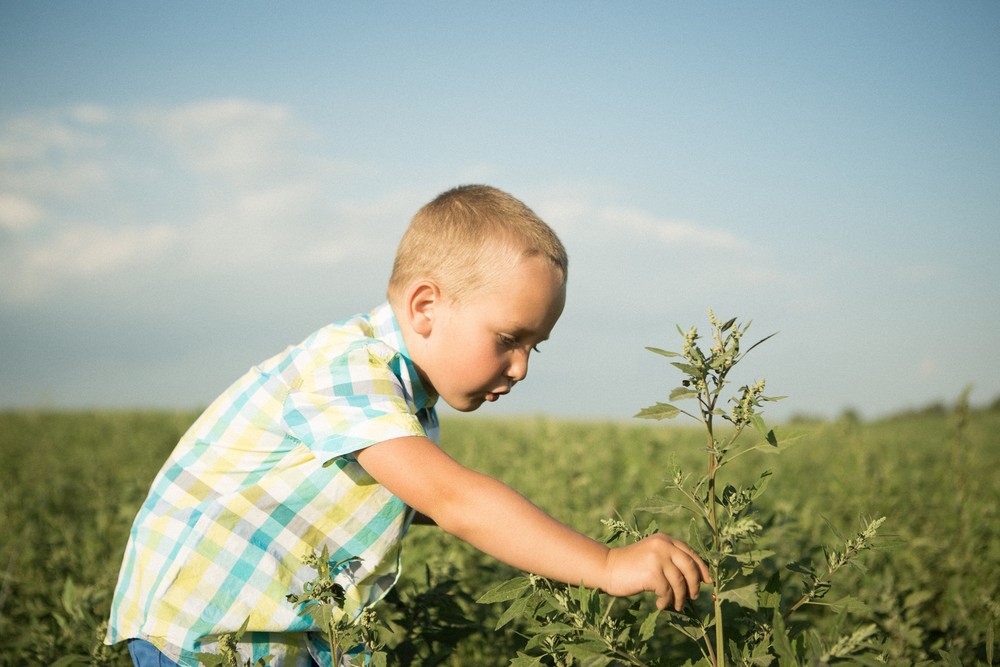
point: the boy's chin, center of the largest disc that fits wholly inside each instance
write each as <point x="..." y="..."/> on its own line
<point x="466" y="404"/>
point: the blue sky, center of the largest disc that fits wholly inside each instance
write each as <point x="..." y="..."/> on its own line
<point x="186" y="188"/>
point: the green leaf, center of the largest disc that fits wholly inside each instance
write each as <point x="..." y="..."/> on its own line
<point x="747" y="351"/>
<point x="658" y="411"/>
<point x="745" y="596"/>
<point x="770" y="595"/>
<point x="687" y="369"/>
<point x="588" y="649"/>
<point x="814" y="643"/>
<point x="75" y="659"/>
<point x="750" y="559"/>
<point x="657" y="506"/>
<point x="849" y="604"/>
<point x="321" y="613"/>
<point x="517" y="609"/>
<point x="780" y="642"/>
<point x="552" y="629"/>
<point x="508" y="590"/>
<point x="523" y="660"/>
<point x="761" y="485"/>
<point x="802" y="567"/>
<point x="243" y="628"/>
<point x="648" y="626"/>
<point x="665" y="353"/>
<point x="765" y="432"/>
<point x="590" y="601"/>
<point x="681" y="393"/>
<point x="949" y="659"/>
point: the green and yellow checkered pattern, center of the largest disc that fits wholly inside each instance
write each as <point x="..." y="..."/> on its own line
<point x="245" y="495"/>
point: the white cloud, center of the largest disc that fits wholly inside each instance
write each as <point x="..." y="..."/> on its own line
<point x="618" y="252"/>
<point x="201" y="188"/>
<point x="237" y="140"/>
<point x="262" y="208"/>
<point x="61" y="179"/>
<point x="39" y="135"/>
<point x="565" y="211"/>
<point x="91" y="114"/>
<point x="675" y="233"/>
<point x="215" y="185"/>
<point x="84" y="252"/>
<point x="52" y="154"/>
<point x="18" y="213"/>
<point x="587" y="213"/>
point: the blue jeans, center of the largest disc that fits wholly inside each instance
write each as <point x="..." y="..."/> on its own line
<point x="145" y="654"/>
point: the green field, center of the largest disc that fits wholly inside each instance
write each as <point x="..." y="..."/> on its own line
<point x="70" y="484"/>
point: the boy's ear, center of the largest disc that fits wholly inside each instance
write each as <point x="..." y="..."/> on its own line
<point x="421" y="306"/>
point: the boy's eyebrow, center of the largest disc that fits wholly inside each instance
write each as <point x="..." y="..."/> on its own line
<point x="528" y="334"/>
<point x="520" y="332"/>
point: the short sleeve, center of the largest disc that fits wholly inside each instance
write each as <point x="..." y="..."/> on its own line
<point x="351" y="402"/>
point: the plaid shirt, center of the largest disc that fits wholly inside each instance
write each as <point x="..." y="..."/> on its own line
<point x="245" y="495"/>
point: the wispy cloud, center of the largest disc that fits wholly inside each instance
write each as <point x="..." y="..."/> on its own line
<point x="83" y="253"/>
<point x="674" y="233"/>
<point x="49" y="133"/>
<point x="590" y="213"/>
<point x="622" y="251"/>
<point x="90" y="191"/>
<point x="18" y="213"/>
<point x="236" y="140"/>
<point x="216" y="188"/>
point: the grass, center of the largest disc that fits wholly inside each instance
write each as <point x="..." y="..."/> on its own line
<point x="70" y="483"/>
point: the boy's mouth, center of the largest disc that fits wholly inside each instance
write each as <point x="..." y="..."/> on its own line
<point x="493" y="396"/>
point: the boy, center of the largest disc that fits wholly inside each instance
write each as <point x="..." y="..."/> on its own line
<point x="478" y="283"/>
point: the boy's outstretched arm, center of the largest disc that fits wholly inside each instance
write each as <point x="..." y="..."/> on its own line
<point x="494" y="518"/>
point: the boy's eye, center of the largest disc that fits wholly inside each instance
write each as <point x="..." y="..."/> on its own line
<point x="511" y="342"/>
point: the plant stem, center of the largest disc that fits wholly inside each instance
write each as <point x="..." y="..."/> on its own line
<point x="708" y="645"/>
<point x="334" y="643"/>
<point x="719" y="659"/>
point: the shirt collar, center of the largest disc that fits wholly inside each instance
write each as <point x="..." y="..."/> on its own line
<point x="386" y="328"/>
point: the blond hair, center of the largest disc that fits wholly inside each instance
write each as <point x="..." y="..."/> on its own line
<point x="466" y="236"/>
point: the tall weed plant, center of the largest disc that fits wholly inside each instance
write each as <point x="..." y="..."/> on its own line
<point x="757" y="614"/>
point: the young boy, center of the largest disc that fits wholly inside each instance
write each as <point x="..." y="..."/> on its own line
<point x="478" y="282"/>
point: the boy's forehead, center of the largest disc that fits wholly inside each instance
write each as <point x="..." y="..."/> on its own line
<point x="509" y="267"/>
<point x="528" y="310"/>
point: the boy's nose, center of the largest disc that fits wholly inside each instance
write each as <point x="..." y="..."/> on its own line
<point x="518" y="369"/>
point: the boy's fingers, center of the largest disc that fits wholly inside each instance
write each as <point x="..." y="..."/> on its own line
<point x="688" y="577"/>
<point x="679" y="585"/>
<point x="665" y="600"/>
<point x="706" y="575"/>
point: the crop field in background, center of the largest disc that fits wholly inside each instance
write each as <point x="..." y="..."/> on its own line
<point x="70" y="484"/>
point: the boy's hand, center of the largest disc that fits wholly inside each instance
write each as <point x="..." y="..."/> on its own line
<point x="501" y="522"/>
<point x="660" y="564"/>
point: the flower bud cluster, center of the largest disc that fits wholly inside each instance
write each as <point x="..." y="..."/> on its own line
<point x="692" y="352"/>
<point x="748" y="401"/>
<point x="228" y="650"/>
